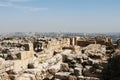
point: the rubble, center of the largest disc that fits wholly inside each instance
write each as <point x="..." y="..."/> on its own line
<point x="71" y="58"/>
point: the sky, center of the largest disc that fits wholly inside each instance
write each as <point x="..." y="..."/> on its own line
<point x="60" y="15"/>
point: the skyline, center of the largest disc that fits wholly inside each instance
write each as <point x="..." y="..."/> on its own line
<point x="63" y="15"/>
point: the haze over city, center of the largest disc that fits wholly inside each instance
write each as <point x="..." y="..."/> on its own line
<point x="59" y="15"/>
<point x="59" y="40"/>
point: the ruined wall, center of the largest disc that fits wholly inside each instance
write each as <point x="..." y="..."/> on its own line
<point x="85" y="43"/>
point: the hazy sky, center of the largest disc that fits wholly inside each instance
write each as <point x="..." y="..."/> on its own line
<point x="60" y="15"/>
